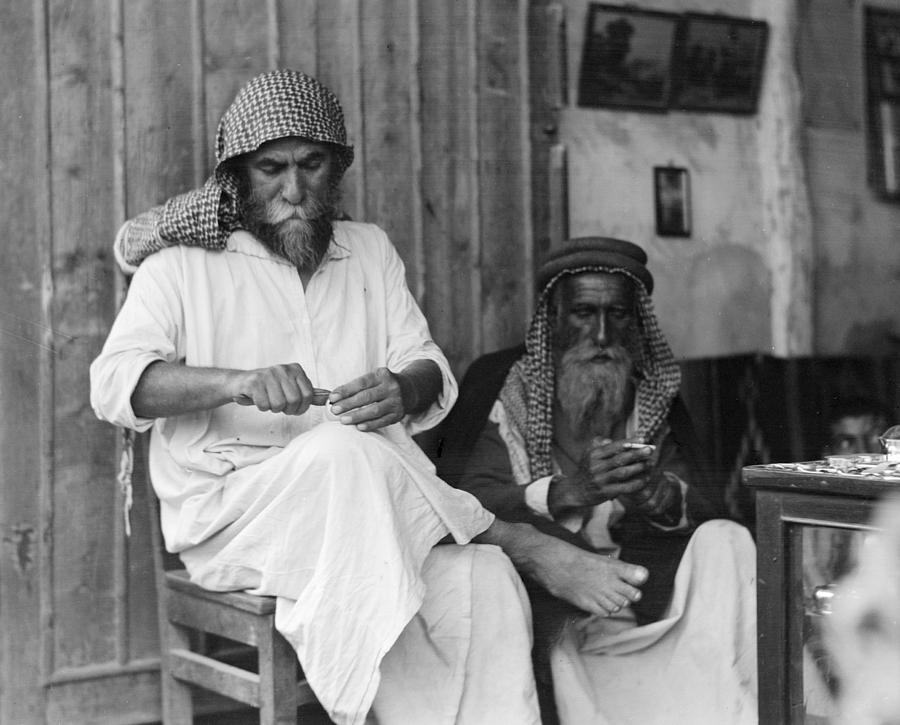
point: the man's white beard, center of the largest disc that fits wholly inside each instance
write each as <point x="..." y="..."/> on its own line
<point x="300" y="234"/>
<point x="593" y="393"/>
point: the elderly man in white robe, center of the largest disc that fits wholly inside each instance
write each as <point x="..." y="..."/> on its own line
<point x="283" y="365"/>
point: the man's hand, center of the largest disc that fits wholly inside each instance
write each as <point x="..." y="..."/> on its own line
<point x="372" y="401"/>
<point x="656" y="498"/>
<point x="279" y="388"/>
<point x="608" y="470"/>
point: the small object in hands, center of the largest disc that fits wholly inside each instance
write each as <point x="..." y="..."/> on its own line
<point x="632" y="444"/>
<point x="320" y="396"/>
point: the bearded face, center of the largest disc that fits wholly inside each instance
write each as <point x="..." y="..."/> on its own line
<point x="290" y="192"/>
<point x="596" y="344"/>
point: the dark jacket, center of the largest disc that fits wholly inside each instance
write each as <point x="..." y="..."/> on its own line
<point x="451" y="448"/>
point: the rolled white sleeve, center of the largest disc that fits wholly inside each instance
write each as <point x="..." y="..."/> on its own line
<point x="145" y="331"/>
<point x="536" y="494"/>
<point x="409" y="339"/>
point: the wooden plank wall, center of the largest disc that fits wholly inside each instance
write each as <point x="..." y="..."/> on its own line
<point x="109" y="107"/>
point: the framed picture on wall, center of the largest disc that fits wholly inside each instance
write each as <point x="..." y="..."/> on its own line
<point x="672" y="191"/>
<point x="882" y="45"/>
<point x="627" y="58"/>
<point x="719" y="63"/>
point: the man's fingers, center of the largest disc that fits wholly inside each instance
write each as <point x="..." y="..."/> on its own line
<point x="275" y="394"/>
<point x="606" y="491"/>
<point x="371" y="417"/>
<point x="345" y="395"/>
<point x="279" y="389"/>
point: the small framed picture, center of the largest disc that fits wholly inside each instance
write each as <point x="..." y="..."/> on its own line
<point x="719" y="63"/>
<point x="673" y="201"/>
<point x="627" y="58"/>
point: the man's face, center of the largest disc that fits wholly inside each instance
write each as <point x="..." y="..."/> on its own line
<point x="854" y="434"/>
<point x="595" y="349"/>
<point x="596" y="309"/>
<point x="291" y="190"/>
<point x="290" y="171"/>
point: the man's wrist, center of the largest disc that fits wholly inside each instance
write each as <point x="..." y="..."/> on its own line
<point x="559" y="499"/>
<point x="421" y="383"/>
<point x="408" y="393"/>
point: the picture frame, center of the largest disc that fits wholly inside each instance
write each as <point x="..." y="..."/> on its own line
<point x="672" y="194"/>
<point x="719" y="63"/>
<point x="627" y="58"/>
<point x="882" y="55"/>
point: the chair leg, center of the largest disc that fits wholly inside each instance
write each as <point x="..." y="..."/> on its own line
<point x="277" y="678"/>
<point x="177" y="706"/>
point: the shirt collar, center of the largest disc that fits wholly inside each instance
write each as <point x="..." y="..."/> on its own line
<point x="243" y="242"/>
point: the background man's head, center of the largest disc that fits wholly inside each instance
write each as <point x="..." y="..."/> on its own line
<point x="595" y="336"/>
<point x="595" y="341"/>
<point x="855" y="426"/>
<point x="655" y="371"/>
<point x="283" y="145"/>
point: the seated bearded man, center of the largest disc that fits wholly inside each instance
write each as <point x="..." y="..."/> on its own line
<point x="248" y="292"/>
<point x="581" y="432"/>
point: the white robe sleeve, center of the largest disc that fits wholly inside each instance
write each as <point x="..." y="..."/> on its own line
<point x="409" y="339"/>
<point x="146" y="329"/>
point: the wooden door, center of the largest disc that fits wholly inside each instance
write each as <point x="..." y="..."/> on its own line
<point x="109" y="107"/>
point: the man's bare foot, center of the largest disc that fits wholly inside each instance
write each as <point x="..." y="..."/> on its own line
<point x="592" y="582"/>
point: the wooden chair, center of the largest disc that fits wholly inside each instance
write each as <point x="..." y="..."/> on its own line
<point x="188" y="614"/>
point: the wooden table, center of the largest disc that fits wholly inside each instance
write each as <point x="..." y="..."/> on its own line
<point x="786" y="502"/>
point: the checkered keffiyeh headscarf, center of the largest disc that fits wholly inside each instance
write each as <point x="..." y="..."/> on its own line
<point x="528" y="392"/>
<point x="273" y="105"/>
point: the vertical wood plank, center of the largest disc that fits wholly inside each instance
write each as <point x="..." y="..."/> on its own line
<point x="504" y="235"/>
<point x="557" y="200"/>
<point x="547" y="90"/>
<point x="417" y="275"/>
<point x="24" y="337"/>
<point x="273" y="33"/>
<point x="159" y="163"/>
<point x="83" y="291"/>
<point x="385" y="93"/>
<point x="338" y="65"/>
<point x="47" y="366"/>
<point x="159" y="38"/>
<point x="201" y="143"/>
<point x="236" y="49"/>
<point x="448" y="111"/>
<point x="524" y="128"/>
<point x="473" y="170"/>
<point x="298" y="35"/>
<point x="119" y="182"/>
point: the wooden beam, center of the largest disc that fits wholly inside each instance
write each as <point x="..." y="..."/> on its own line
<point x="416" y="153"/>
<point x="200" y="140"/>
<point x="238" y="684"/>
<point x="121" y="524"/>
<point x="44" y="229"/>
